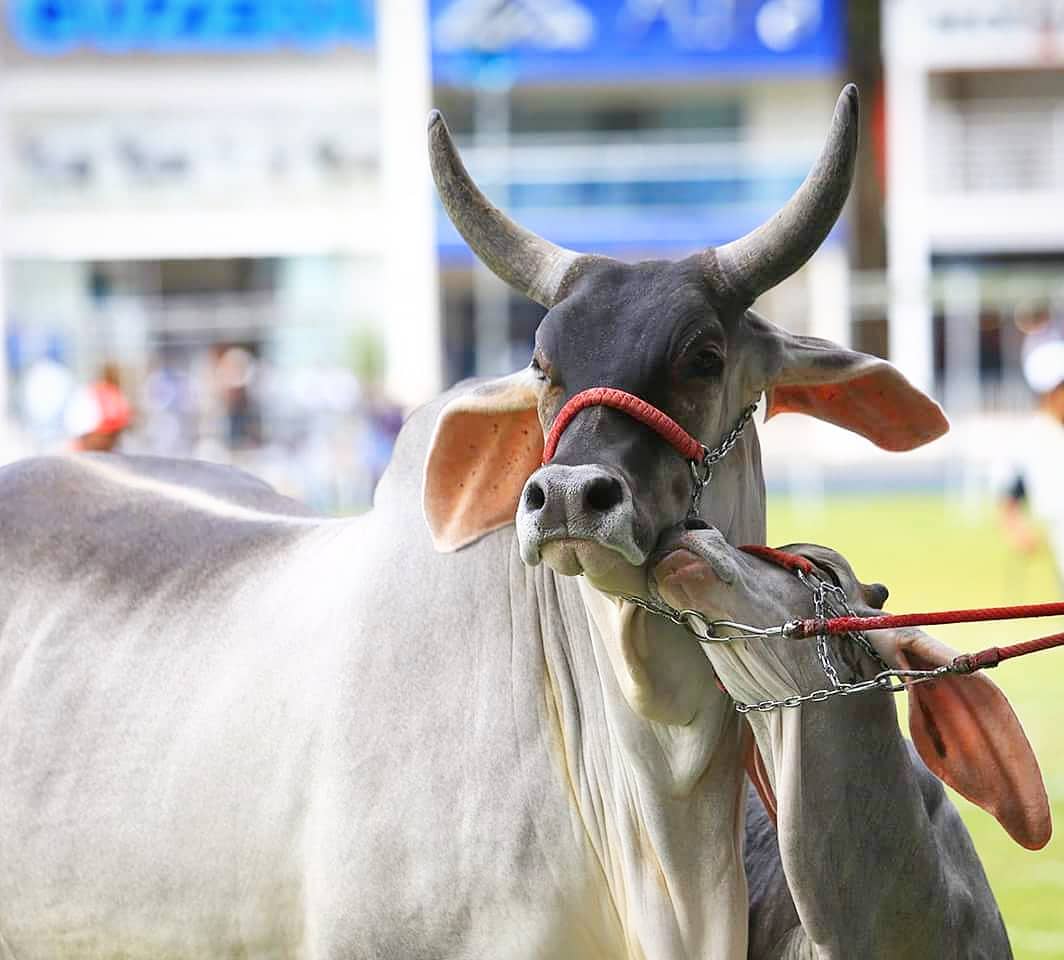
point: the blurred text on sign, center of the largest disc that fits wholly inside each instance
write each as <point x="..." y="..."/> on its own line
<point x="183" y="26"/>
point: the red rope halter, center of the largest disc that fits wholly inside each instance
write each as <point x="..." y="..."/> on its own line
<point x="638" y="409"/>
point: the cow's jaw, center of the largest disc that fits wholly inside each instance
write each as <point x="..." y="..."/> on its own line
<point x="605" y="568"/>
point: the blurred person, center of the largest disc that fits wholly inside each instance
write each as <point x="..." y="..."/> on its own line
<point x="98" y="413"/>
<point x="44" y="392"/>
<point x="1036" y="493"/>
<point x="235" y="374"/>
<point x="168" y="409"/>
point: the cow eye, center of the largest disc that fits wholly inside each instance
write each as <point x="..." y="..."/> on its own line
<point x="706" y="362"/>
<point x="539" y="372"/>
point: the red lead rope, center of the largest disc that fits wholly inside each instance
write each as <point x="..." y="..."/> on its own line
<point x="837" y="625"/>
<point x="965" y="663"/>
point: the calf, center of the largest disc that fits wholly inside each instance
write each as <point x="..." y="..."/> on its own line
<point x="872" y="858"/>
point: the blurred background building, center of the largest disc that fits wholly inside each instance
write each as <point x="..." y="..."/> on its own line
<point x="975" y="168"/>
<point x="228" y="203"/>
<point x="191" y="193"/>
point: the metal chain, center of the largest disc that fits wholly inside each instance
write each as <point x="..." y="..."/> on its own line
<point x="702" y="471"/>
<point x="819" y="606"/>
<point x="714" y="456"/>
<point x="817" y="696"/>
<point x="703" y="630"/>
<point x="827" y="598"/>
<point x="889" y="681"/>
<point x="832" y="598"/>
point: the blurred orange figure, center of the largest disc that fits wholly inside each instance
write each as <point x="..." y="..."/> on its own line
<point x="98" y="413"/>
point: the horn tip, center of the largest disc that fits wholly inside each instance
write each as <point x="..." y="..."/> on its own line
<point x="849" y="98"/>
<point x="435" y="117"/>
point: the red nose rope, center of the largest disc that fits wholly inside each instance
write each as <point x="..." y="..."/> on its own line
<point x="965" y="663"/>
<point x="638" y="409"/>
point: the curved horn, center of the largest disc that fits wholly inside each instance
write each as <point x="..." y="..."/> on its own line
<point x="525" y="261"/>
<point x="749" y="266"/>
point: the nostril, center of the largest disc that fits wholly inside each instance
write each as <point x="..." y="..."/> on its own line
<point x="535" y="498"/>
<point x="602" y="494"/>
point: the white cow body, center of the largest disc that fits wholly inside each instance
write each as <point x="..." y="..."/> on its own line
<point x="230" y="729"/>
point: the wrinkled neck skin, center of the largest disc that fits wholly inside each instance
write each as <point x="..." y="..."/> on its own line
<point x="649" y="746"/>
<point x="653" y="760"/>
<point x="856" y="836"/>
<point x="659" y="783"/>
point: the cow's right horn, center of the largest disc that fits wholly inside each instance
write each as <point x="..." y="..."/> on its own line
<point x="749" y="266"/>
<point x="527" y="262"/>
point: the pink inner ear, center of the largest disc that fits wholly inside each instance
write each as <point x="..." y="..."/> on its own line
<point x="476" y="470"/>
<point x="879" y="404"/>
<point x="970" y="738"/>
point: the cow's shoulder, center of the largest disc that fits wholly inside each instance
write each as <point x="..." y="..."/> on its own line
<point x="132" y="523"/>
<point x="229" y="484"/>
<point x="94" y="475"/>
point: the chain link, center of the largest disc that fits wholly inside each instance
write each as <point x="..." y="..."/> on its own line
<point x="827" y="599"/>
<point x="817" y="696"/>
<point x="889" y="681"/>
<point x="819" y="609"/>
<point x="714" y="456"/>
<point x="702" y="471"/>
<point x="696" y="624"/>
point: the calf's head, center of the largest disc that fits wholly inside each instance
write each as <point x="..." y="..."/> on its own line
<point x="679" y="335"/>
<point x="962" y="726"/>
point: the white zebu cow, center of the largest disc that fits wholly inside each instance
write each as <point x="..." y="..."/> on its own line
<point x="228" y="728"/>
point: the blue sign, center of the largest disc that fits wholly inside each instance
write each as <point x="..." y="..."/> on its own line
<point x="188" y="26"/>
<point x="609" y="39"/>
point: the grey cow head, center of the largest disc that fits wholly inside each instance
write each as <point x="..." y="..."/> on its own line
<point x="962" y="726"/>
<point x="681" y="336"/>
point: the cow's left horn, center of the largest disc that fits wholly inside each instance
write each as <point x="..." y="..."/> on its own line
<point x="524" y="260"/>
<point x="749" y="266"/>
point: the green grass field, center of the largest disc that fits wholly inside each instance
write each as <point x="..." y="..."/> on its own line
<point x="933" y="556"/>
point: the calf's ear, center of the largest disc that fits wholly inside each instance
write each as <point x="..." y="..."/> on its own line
<point x="968" y="735"/>
<point x="486" y="445"/>
<point x="852" y="390"/>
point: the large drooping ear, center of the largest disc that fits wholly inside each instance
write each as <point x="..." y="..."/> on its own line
<point x="852" y="390"/>
<point x="486" y="445"/>
<point x="968" y="735"/>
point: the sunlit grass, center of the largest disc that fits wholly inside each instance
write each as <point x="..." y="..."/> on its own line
<point x="934" y="556"/>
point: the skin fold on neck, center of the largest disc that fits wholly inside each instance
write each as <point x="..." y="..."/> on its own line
<point x="652" y="750"/>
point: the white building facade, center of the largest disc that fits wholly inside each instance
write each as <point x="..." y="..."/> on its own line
<point x="975" y="186"/>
